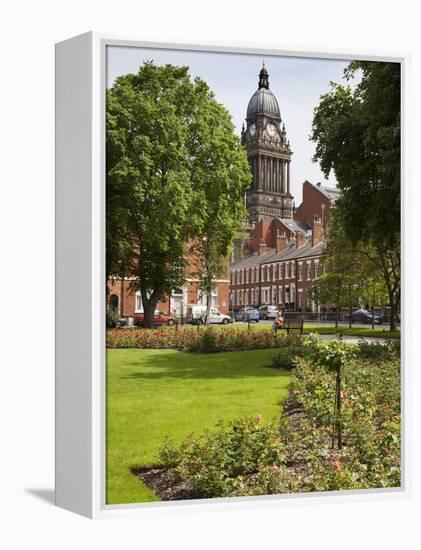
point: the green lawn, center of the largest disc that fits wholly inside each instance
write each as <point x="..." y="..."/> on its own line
<point x="152" y="394"/>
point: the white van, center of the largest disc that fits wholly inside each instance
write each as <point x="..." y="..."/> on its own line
<point x="196" y="315"/>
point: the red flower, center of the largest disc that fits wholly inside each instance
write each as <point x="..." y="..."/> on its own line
<point x="275" y="469"/>
<point x="344" y="394"/>
<point x="259" y="417"/>
<point x="336" y="464"/>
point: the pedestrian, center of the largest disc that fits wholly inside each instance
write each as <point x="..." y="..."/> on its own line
<point x="279" y="319"/>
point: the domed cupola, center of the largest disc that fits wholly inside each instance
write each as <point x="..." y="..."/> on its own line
<point x="263" y="101"/>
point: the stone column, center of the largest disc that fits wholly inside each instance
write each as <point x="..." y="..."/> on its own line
<point x="259" y="172"/>
<point x="265" y="173"/>
<point x="275" y="174"/>
<point x="282" y="176"/>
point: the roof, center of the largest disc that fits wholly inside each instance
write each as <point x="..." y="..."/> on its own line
<point x="263" y="101"/>
<point x="271" y="256"/>
<point x="296" y="226"/>
<point x="331" y="193"/>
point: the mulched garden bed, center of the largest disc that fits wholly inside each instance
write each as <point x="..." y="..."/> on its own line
<point x="164" y="484"/>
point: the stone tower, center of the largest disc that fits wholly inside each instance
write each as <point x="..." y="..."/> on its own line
<point x="269" y="153"/>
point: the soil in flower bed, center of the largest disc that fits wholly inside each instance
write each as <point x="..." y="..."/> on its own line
<point x="164" y="484"/>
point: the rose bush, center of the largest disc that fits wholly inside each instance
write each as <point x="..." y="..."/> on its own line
<point x="294" y="453"/>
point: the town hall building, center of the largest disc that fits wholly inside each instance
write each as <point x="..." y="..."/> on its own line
<point x="284" y="244"/>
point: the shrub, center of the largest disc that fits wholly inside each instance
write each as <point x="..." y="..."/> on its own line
<point x="286" y="357"/>
<point x="207" y="342"/>
<point x="111" y="318"/>
<point x="378" y="351"/>
<point x="243" y="457"/>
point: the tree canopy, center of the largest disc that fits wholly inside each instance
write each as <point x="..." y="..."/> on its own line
<point x="357" y="134"/>
<point x="174" y="166"/>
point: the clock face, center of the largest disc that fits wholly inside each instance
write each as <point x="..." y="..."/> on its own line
<point x="271" y="129"/>
<point x="252" y="129"/>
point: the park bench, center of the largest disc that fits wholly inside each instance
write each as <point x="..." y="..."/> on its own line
<point x="292" y="324"/>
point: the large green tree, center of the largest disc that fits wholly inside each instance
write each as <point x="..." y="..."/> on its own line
<point x="351" y="276"/>
<point x="173" y="163"/>
<point x="357" y="133"/>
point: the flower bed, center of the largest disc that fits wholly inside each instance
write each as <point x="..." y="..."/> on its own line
<point x="298" y="453"/>
<point x="205" y="340"/>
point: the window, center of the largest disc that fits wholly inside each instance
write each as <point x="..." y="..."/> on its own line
<point x="113" y="303"/>
<point x="214" y="298"/>
<point x="308" y="270"/>
<point x="292" y="269"/>
<point x="286" y="270"/>
<point x="300" y="271"/>
<point x="257" y="274"/>
<point x="138" y="304"/>
<point x="316" y="268"/>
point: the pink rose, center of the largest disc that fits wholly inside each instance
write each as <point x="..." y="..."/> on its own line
<point x="275" y="469"/>
<point x="336" y="464"/>
<point x="259" y="417"/>
<point x="344" y="394"/>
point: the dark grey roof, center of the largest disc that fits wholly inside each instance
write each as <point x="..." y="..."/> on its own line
<point x="296" y="226"/>
<point x="290" y="253"/>
<point x="264" y="102"/>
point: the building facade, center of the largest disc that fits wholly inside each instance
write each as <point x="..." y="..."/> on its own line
<point x="283" y="249"/>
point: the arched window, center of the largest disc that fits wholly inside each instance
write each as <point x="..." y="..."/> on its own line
<point x="114" y="303"/>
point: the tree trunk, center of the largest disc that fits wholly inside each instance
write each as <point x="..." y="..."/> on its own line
<point x="393" y="313"/>
<point x="350" y="307"/>
<point x="208" y="306"/>
<point x="149" y="306"/>
<point x="372" y="309"/>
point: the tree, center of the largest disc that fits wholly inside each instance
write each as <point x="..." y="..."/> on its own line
<point x="357" y="135"/>
<point x="171" y="150"/>
<point x="350" y="275"/>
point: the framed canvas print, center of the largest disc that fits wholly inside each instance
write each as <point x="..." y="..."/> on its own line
<point x="229" y="313"/>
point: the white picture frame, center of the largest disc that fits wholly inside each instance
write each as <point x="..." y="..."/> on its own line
<point x="80" y="280"/>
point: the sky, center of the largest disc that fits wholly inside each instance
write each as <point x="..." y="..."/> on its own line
<point x="296" y="82"/>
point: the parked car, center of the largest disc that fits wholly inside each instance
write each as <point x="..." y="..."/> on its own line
<point x="247" y="314"/>
<point x="364" y="316"/>
<point x="158" y="320"/>
<point x="267" y="312"/>
<point x="196" y="314"/>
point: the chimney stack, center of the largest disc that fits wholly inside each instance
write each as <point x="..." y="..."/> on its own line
<point x="262" y="247"/>
<point x="301" y="238"/>
<point x="281" y="241"/>
<point x="317" y="233"/>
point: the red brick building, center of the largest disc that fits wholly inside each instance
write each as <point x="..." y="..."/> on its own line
<point x="283" y="250"/>
<point x="126" y="300"/>
<point x="283" y="257"/>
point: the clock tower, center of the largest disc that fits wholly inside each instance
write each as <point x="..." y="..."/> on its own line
<point x="269" y="153"/>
